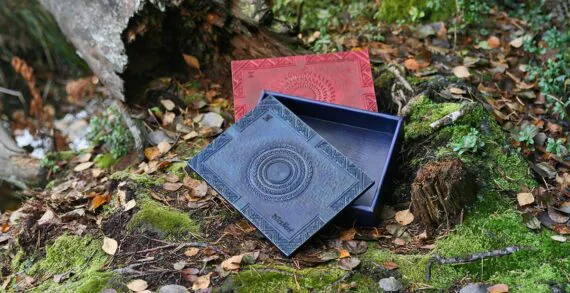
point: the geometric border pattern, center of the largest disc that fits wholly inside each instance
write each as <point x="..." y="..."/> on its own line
<point x="239" y="67"/>
<point x="271" y="106"/>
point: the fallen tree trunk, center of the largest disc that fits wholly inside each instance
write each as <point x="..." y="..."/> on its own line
<point x="18" y="168"/>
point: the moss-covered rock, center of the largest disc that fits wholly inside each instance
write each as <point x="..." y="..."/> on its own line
<point x="167" y="222"/>
<point x="416" y="10"/>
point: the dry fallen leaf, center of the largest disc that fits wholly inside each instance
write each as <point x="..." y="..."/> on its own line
<point x="494" y="42"/>
<point x="559" y="238"/>
<point x="49" y="217"/>
<point x="404" y="217"/>
<point x="96" y="172"/>
<point x="179" y="265"/>
<point x="232" y="263"/>
<point x="518" y="42"/>
<point x="390" y="265"/>
<point x="347" y="234"/>
<point x="399" y="241"/>
<point x="343" y="253"/>
<point x="98" y="200"/>
<point x="202" y="282"/>
<point x="557" y="216"/>
<point x="168" y="118"/>
<point x="199" y="188"/>
<point x="461" y="72"/>
<point x="348" y="263"/>
<point x="191" y="61"/>
<point x="168" y="104"/>
<point x="190" y="135"/>
<point x="525" y="198"/>
<point x="163" y="147"/>
<point x="129" y="205"/>
<point x="83" y="166"/>
<point x="457" y="91"/>
<point x="138" y="285"/>
<point x="499" y="288"/>
<point x="412" y="64"/>
<point x="82" y="158"/>
<point x="171" y="177"/>
<point x="152" y="153"/>
<point x="192" y="251"/>
<point x="171" y="186"/>
<point x="110" y="246"/>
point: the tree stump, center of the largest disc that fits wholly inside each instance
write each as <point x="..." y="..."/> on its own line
<point x="440" y="192"/>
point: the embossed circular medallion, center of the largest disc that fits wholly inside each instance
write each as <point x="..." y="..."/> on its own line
<point x="280" y="172"/>
<point x="308" y="84"/>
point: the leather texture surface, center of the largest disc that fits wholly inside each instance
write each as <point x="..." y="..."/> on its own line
<point x="343" y="78"/>
<point x="368" y="139"/>
<point x="281" y="174"/>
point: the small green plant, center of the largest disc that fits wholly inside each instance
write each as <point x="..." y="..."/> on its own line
<point x="468" y="143"/>
<point x="416" y="14"/>
<point x="553" y="74"/>
<point x="110" y="131"/>
<point x="556" y="146"/>
<point x="323" y="43"/>
<point x="527" y="134"/>
<point x="50" y="164"/>
<point x="472" y="10"/>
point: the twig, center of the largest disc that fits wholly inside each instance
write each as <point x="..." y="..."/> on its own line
<point x="473" y="257"/>
<point x="340" y="280"/>
<point x="452" y="117"/>
<point x="178" y="247"/>
<point x="14" y="93"/>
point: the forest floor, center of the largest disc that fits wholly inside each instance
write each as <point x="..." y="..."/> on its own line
<point x="107" y="220"/>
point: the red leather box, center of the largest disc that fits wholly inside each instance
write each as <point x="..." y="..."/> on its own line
<point x="343" y="78"/>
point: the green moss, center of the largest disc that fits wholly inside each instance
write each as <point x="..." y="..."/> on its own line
<point x="143" y="180"/>
<point x="413" y="268"/>
<point x="423" y="113"/>
<point x="95" y="282"/>
<point x="169" y="223"/>
<point x="104" y="161"/>
<point x="70" y="253"/>
<point x="493" y="224"/>
<point x="279" y="278"/>
<point x="505" y="167"/>
<point x="384" y="80"/>
<point x="50" y="184"/>
<point x="363" y="283"/>
<point x="400" y="10"/>
<point x="178" y="169"/>
<point x="81" y="255"/>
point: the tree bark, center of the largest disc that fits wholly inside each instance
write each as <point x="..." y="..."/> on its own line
<point x="128" y="43"/>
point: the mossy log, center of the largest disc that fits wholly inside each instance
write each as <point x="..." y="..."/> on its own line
<point x="440" y="192"/>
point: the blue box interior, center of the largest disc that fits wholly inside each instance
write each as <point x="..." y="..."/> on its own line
<point x="368" y="139"/>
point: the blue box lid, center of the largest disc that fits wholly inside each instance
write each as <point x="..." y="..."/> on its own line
<point x="280" y="174"/>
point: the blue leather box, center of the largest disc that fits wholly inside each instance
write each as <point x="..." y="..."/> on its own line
<point x="368" y="139"/>
<point x="280" y="174"/>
